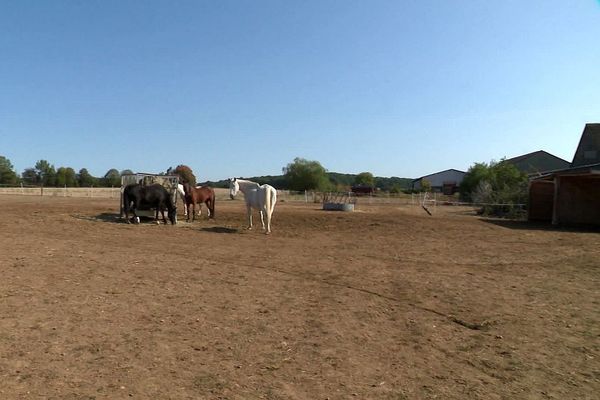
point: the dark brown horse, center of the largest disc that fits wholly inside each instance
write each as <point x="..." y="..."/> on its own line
<point x="199" y="195"/>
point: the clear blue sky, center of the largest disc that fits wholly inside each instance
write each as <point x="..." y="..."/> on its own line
<point x="240" y="88"/>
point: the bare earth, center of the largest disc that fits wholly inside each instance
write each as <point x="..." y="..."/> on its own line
<point x="383" y="303"/>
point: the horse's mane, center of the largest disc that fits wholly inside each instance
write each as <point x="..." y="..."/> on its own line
<point x="247" y="182"/>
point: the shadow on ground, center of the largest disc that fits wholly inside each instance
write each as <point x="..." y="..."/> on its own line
<point x="539" y="226"/>
<point x="219" y="229"/>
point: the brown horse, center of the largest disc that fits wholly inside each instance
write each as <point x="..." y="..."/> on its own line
<point x="199" y="195"/>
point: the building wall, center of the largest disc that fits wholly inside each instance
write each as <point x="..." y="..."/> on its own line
<point x="578" y="200"/>
<point x="437" y="180"/>
<point x="541" y="201"/>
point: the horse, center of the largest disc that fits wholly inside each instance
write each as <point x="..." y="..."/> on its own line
<point x="181" y="193"/>
<point x="199" y="195"/>
<point x="151" y="196"/>
<point x="259" y="197"/>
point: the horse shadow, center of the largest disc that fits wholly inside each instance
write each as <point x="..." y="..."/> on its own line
<point x="103" y="217"/>
<point x="540" y="226"/>
<point x="219" y="229"/>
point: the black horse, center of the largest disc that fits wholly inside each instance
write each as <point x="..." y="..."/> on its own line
<point x="136" y="196"/>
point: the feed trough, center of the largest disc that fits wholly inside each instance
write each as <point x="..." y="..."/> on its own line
<point x="339" y="202"/>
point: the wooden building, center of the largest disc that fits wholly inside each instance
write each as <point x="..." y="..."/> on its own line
<point x="571" y="196"/>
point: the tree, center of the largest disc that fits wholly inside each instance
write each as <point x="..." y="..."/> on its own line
<point x="112" y="178"/>
<point x="46" y="173"/>
<point x="425" y="185"/>
<point x="476" y="173"/>
<point x="30" y="176"/>
<point x="496" y="183"/>
<point x="85" y="179"/>
<point x="126" y="172"/>
<point x="65" y="176"/>
<point x="302" y="174"/>
<point x="365" y="179"/>
<point x="61" y="176"/>
<point x="185" y="174"/>
<point x="8" y="176"/>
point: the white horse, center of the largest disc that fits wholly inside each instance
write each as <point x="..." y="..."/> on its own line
<point x="181" y="193"/>
<point x="259" y="197"/>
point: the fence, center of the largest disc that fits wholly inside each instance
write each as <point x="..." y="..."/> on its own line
<point x="416" y="199"/>
<point x="98" y="192"/>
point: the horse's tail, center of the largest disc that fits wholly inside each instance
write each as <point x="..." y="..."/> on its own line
<point x="270" y="200"/>
<point x="212" y="203"/>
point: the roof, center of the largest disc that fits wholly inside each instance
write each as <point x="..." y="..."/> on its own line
<point x="590" y="169"/>
<point x="588" y="150"/>
<point x="538" y="162"/>
<point x="436" y="173"/>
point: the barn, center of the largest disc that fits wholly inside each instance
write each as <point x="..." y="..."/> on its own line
<point x="570" y="196"/>
<point x="538" y="162"/>
<point x="446" y="181"/>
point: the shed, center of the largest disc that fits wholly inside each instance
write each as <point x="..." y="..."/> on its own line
<point x="571" y="195"/>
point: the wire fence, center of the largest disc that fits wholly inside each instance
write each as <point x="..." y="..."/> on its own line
<point x="427" y="200"/>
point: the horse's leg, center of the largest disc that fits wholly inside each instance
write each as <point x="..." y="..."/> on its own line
<point x="268" y="222"/>
<point x="161" y="207"/>
<point x="262" y="219"/>
<point x="249" y="211"/>
<point x="193" y="211"/>
<point x="156" y="216"/>
<point x="126" y="209"/>
<point x="133" y="209"/>
<point x="187" y="212"/>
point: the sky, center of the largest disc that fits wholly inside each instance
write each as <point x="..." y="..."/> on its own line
<point x="241" y="88"/>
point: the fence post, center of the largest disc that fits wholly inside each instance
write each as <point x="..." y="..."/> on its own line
<point x="42" y="190"/>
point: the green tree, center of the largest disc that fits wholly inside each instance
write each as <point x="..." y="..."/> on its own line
<point x="112" y="178"/>
<point x="126" y="172"/>
<point x="477" y="172"/>
<point x="495" y="183"/>
<point x="30" y="176"/>
<point x="65" y="176"/>
<point x="71" y="177"/>
<point x="61" y="176"/>
<point x="46" y="173"/>
<point x="185" y="174"/>
<point x="8" y="176"/>
<point x="365" y="179"/>
<point x="302" y="174"/>
<point x="85" y="179"/>
<point x="425" y="185"/>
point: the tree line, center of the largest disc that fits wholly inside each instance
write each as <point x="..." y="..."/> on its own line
<point x="45" y="174"/>
<point x="299" y="175"/>
<point x="493" y="183"/>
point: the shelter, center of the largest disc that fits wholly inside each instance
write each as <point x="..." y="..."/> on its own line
<point x="446" y="181"/>
<point x="572" y="195"/>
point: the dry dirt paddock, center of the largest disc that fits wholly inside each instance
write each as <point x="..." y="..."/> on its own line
<point x="383" y="303"/>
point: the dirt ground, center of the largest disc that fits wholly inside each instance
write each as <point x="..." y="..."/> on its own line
<point x="383" y="303"/>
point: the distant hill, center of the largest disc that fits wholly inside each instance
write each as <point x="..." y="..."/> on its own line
<point x="338" y="179"/>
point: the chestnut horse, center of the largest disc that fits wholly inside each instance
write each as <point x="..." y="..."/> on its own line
<point x="199" y="195"/>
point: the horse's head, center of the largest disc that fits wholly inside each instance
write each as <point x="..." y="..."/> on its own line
<point x="172" y="215"/>
<point x="234" y="187"/>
